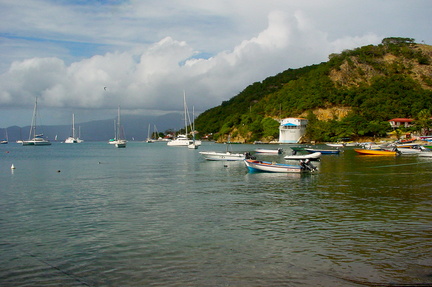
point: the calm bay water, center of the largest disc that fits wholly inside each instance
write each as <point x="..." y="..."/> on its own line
<point x="150" y="215"/>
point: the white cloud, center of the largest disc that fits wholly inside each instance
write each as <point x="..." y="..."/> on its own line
<point x="154" y="77"/>
<point x="145" y="52"/>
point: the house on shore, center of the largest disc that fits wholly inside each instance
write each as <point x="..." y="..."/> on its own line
<point x="401" y="122"/>
<point x="291" y="130"/>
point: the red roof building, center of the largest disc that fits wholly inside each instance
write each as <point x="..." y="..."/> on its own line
<point x="401" y="122"/>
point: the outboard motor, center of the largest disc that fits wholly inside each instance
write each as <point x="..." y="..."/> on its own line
<point x="307" y="165"/>
<point x="249" y="156"/>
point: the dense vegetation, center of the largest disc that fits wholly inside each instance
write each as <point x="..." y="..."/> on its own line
<point x="374" y="83"/>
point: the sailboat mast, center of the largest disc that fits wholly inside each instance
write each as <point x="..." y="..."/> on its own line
<point x="32" y="133"/>
<point x="73" y="126"/>
<point x="185" y="115"/>
<point x="118" y="123"/>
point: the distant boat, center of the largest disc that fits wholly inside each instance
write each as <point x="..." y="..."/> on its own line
<point x="119" y="140"/>
<point x="182" y="139"/>
<point x="6" y="139"/>
<point x="34" y="138"/>
<point x="73" y="138"/>
<point x="149" y="139"/>
<point x="265" y="166"/>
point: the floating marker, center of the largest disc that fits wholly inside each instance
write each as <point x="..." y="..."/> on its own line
<point x="12" y="166"/>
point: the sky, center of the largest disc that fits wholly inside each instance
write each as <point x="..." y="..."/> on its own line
<point x="87" y="57"/>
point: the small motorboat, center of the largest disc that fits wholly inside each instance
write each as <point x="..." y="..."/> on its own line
<point x="265" y="166"/>
<point x="311" y="156"/>
<point x="336" y="144"/>
<point x="222" y="156"/>
<point x="323" y="151"/>
<point x="269" y="151"/>
<point x="362" y="151"/>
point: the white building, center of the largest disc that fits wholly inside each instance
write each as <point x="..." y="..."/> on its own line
<point x="291" y="130"/>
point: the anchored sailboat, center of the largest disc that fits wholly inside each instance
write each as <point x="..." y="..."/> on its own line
<point x="73" y="138"/>
<point x="119" y="140"/>
<point x="34" y="138"/>
<point x="182" y="139"/>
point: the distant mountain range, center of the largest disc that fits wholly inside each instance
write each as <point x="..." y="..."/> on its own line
<point x="135" y="127"/>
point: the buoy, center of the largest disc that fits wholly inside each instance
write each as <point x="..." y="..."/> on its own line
<point x="58" y="171"/>
<point x="12" y="166"/>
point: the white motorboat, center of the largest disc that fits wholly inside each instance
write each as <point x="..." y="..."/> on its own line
<point x="227" y="156"/>
<point x="269" y="151"/>
<point x="313" y="156"/>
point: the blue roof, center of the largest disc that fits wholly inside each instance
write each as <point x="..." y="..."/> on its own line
<point x="290" y="125"/>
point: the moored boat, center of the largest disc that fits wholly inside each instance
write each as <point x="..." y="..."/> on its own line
<point x="119" y="140"/>
<point x="336" y="144"/>
<point x="265" y="166"/>
<point x="222" y="156"/>
<point x="311" y="156"/>
<point x="361" y="151"/>
<point x="323" y="151"/>
<point x="269" y="151"/>
<point x="73" y="138"/>
<point x="34" y="138"/>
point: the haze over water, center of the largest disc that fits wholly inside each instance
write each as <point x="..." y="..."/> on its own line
<point x="150" y="215"/>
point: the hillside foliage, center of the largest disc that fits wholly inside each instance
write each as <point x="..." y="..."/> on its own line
<point x="374" y="83"/>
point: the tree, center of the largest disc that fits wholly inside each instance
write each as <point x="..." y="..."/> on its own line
<point x="424" y="122"/>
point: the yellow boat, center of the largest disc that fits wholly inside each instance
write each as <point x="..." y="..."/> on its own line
<point x="375" y="152"/>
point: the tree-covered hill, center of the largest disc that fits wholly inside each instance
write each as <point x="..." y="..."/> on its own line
<point x="352" y="95"/>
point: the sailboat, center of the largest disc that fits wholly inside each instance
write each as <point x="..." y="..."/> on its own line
<point x="182" y="139"/>
<point x="34" y="138"/>
<point x="6" y="139"/>
<point x="73" y="138"/>
<point x="119" y="140"/>
<point x="149" y="139"/>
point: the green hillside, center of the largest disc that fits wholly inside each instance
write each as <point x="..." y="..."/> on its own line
<point x="350" y="96"/>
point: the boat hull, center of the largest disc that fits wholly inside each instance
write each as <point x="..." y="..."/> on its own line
<point x="269" y="151"/>
<point x="323" y="151"/>
<point x="38" y="141"/>
<point x="313" y="156"/>
<point x="119" y="143"/>
<point x="222" y="156"/>
<point x="375" y="152"/>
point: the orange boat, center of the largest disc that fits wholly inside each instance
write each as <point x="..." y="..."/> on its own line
<point x="375" y="152"/>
